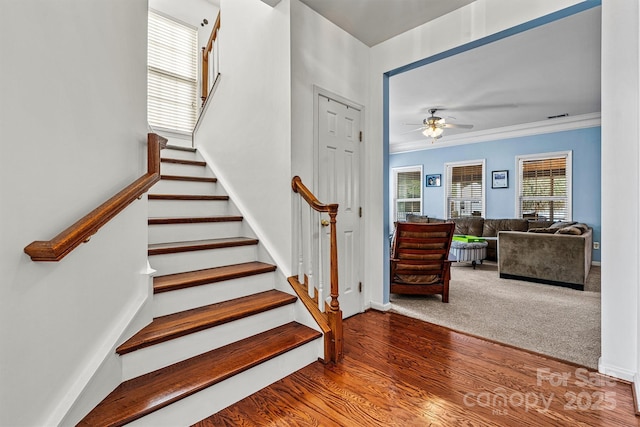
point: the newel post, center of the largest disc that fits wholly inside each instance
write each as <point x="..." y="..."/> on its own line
<point x="334" y="313"/>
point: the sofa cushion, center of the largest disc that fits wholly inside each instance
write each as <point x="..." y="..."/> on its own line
<point x="539" y="223"/>
<point x="547" y="230"/>
<point x="493" y="226"/>
<point x="471" y="226"/>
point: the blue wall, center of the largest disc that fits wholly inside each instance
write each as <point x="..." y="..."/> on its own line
<point x="501" y="155"/>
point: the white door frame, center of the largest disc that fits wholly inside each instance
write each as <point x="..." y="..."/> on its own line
<point x="317" y="92"/>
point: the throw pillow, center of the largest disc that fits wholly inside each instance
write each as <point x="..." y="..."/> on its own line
<point x="581" y="226"/>
<point x="570" y="230"/>
<point x="562" y="224"/>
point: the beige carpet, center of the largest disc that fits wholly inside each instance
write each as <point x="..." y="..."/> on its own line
<point x="552" y="320"/>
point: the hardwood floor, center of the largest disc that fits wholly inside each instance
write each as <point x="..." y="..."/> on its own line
<point x="399" y="371"/>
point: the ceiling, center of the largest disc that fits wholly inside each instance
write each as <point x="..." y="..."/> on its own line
<point x="546" y="71"/>
<point x="374" y="21"/>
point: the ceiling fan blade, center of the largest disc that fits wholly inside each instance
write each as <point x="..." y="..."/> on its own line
<point x="454" y="125"/>
<point x="413" y="130"/>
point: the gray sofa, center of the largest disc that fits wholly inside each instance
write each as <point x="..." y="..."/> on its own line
<point x="557" y="253"/>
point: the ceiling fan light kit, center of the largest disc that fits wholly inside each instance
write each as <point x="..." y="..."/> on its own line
<point x="433" y="127"/>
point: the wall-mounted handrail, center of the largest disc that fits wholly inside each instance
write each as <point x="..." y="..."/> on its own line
<point x="82" y="230"/>
<point x="314" y="297"/>
<point x="207" y="53"/>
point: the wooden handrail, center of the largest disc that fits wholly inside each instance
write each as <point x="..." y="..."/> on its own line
<point x="82" y="230"/>
<point x="307" y="195"/>
<point x="333" y="312"/>
<point x="205" y="59"/>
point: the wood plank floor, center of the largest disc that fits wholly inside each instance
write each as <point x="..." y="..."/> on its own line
<point x="399" y="371"/>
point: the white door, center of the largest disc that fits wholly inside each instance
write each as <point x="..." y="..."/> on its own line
<point x="338" y="175"/>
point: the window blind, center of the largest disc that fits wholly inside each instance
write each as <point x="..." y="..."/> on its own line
<point x="408" y="193"/>
<point x="172" y="74"/>
<point x="465" y="195"/>
<point x="544" y="189"/>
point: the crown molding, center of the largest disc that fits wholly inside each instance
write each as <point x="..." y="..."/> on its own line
<point x="527" y="129"/>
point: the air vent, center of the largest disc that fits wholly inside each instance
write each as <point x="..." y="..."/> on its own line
<point x="559" y="115"/>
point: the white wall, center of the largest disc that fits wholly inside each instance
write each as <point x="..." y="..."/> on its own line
<point x="73" y="132"/>
<point x="620" y="164"/>
<point x="245" y="134"/>
<point x="322" y="54"/>
<point x="472" y="22"/>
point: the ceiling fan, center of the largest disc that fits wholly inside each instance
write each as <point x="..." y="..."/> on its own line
<point x="433" y="127"/>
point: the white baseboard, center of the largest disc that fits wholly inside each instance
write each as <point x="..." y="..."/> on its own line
<point x="616" y="372"/>
<point x="636" y="392"/>
<point x="380" y="307"/>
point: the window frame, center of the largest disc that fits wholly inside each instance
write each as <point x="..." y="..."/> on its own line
<point x="568" y="156"/>
<point x="192" y="80"/>
<point x="395" y="200"/>
<point x="448" y="167"/>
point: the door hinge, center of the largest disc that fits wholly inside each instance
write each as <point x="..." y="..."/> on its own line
<point x="360" y="136"/>
<point x="360" y="211"/>
<point x="359" y="286"/>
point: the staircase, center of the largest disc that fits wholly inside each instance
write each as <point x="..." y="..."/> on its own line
<point x="222" y="329"/>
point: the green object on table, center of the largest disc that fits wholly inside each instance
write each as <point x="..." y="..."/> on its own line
<point x="467" y="239"/>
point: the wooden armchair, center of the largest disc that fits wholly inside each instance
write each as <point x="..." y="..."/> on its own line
<point x="419" y="259"/>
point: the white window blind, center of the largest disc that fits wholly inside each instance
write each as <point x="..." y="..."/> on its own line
<point x="172" y="74"/>
<point x="408" y="192"/>
<point x="545" y="187"/>
<point x="465" y="189"/>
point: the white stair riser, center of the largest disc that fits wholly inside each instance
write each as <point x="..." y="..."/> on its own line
<point x="187" y="170"/>
<point x="167" y="186"/>
<point x="180" y="154"/>
<point x="196" y="296"/>
<point x="195" y="208"/>
<point x="217" y="397"/>
<point x="166" y="233"/>
<point x="158" y="356"/>
<point x="199" y="260"/>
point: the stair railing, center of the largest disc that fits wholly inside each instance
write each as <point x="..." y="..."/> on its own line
<point x="82" y="230"/>
<point x="309" y="281"/>
<point x="210" y="67"/>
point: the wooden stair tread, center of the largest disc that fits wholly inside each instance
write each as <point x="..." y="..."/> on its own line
<point x="183" y="161"/>
<point x="142" y="395"/>
<point x="176" y="325"/>
<point x="177" y="281"/>
<point x="188" y="178"/>
<point x="193" y="220"/>
<point x="185" y="197"/>
<point x="200" y="245"/>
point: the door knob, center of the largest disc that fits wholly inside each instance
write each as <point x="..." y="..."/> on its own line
<point x="324" y="222"/>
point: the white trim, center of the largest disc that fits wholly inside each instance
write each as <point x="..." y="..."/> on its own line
<point x="447" y="171"/>
<point x="567" y="155"/>
<point x="317" y="92"/>
<point x="205" y="107"/>
<point x="616" y="372"/>
<point x="380" y="307"/>
<point x="102" y="358"/>
<point x="636" y="389"/>
<point x="394" y="188"/>
<point x="527" y="129"/>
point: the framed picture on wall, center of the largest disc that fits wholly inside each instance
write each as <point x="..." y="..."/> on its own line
<point x="500" y="179"/>
<point x="433" y="180"/>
